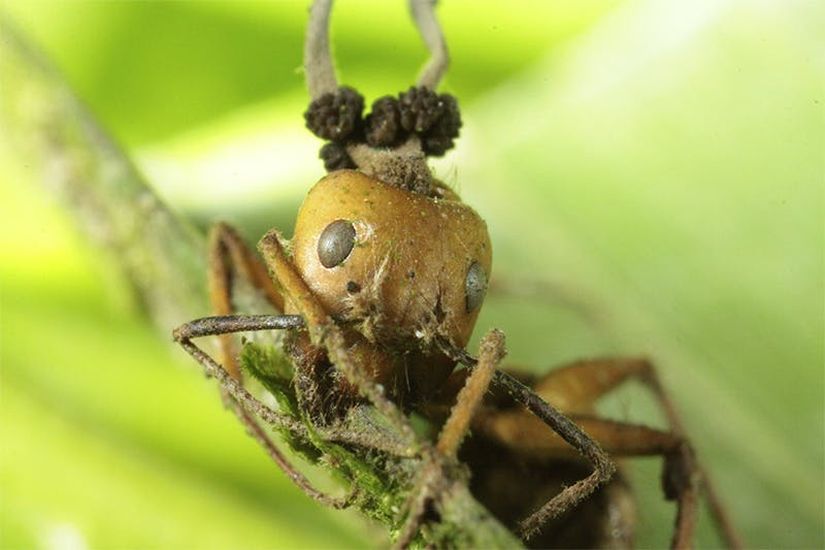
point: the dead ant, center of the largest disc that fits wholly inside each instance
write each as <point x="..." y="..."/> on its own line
<point x="378" y="293"/>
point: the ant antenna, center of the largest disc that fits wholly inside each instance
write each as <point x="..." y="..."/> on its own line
<point x="423" y="13"/>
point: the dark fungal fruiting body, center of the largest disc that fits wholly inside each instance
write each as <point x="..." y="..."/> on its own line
<point x="433" y="119"/>
<point x="336" y="116"/>
<point x="420" y="108"/>
<point x="383" y="124"/>
<point x="335" y="157"/>
<point x="441" y="135"/>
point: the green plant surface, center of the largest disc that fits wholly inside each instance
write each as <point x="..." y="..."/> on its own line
<point x="651" y="174"/>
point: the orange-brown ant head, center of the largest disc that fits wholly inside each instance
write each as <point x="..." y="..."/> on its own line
<point x="404" y="267"/>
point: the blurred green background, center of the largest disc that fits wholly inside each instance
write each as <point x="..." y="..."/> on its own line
<point x="651" y="172"/>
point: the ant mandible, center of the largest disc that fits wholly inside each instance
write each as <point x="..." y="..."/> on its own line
<point x="379" y="291"/>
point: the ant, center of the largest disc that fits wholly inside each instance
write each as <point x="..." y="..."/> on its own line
<point x="378" y="293"/>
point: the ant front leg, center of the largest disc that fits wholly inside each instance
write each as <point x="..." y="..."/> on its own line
<point x="467" y="402"/>
<point x="229" y="256"/>
<point x="568" y="431"/>
<point x="528" y="436"/>
<point x="603" y="467"/>
<point x="244" y="404"/>
<point x="325" y="333"/>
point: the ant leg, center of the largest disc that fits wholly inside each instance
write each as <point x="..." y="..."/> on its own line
<point x="324" y="332"/>
<point x="244" y="404"/>
<point x="423" y="13"/>
<point x="527" y="435"/>
<point x="603" y="467"/>
<point x="491" y="352"/>
<point x="574" y="436"/>
<point x="576" y="387"/>
<point x="229" y="255"/>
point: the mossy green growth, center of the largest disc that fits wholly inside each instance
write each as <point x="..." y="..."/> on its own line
<point x="271" y="367"/>
<point x="352" y="451"/>
<point x="378" y="480"/>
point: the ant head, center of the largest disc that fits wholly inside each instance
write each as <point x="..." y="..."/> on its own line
<point x="403" y="267"/>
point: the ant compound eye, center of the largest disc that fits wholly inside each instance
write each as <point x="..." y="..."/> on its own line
<point x="475" y="286"/>
<point x="336" y="243"/>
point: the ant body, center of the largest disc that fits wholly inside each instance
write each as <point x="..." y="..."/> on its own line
<point x="379" y="291"/>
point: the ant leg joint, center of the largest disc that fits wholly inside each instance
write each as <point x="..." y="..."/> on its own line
<point x="605" y="468"/>
<point x="680" y="472"/>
